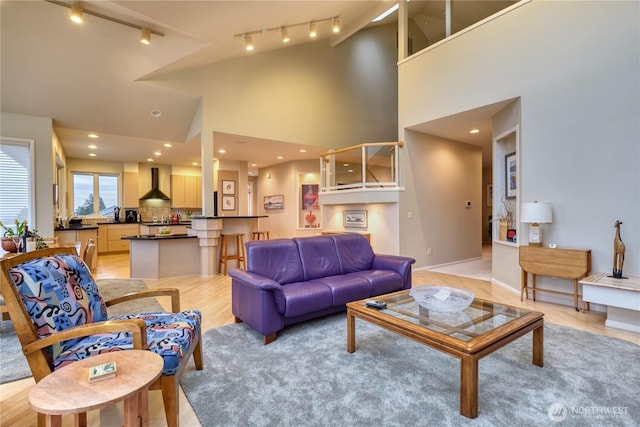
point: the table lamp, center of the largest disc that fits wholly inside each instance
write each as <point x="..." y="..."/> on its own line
<point x="536" y="213"/>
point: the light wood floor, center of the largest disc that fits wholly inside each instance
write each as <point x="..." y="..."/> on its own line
<point x="212" y="295"/>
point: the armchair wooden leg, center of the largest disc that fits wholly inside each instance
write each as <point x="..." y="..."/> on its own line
<point x="170" y="399"/>
<point x="237" y="319"/>
<point x="197" y="354"/>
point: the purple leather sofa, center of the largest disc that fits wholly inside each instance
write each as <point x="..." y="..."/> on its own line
<point x="289" y="281"/>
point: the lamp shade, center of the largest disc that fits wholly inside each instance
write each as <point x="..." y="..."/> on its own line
<point x="536" y="213"/>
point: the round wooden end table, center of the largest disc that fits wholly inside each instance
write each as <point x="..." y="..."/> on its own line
<point x="68" y="391"/>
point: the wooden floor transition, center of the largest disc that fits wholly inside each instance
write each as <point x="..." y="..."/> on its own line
<point x="212" y="296"/>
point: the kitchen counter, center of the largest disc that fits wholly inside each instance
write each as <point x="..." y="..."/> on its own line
<point x="157" y="257"/>
<point x="159" y="237"/>
<point x="82" y="227"/>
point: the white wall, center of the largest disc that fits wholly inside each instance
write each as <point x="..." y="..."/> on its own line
<point x="310" y="94"/>
<point x="575" y="66"/>
<point x="40" y="129"/>
<point x="444" y="174"/>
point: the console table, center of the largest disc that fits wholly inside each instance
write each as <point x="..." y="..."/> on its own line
<point x="565" y="263"/>
<point x="621" y="296"/>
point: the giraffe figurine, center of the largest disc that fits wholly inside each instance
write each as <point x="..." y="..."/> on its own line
<point x="618" y="252"/>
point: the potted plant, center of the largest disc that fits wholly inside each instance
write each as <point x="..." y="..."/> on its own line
<point x="10" y="241"/>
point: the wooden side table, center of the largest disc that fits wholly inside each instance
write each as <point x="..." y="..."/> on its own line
<point x="67" y="390"/>
<point x="565" y="263"/>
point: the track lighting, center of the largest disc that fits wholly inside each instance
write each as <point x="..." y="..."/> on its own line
<point x="145" y="36"/>
<point x="284" y="30"/>
<point x="284" y="34"/>
<point x="335" y="25"/>
<point x="76" y="13"/>
<point x="248" y="42"/>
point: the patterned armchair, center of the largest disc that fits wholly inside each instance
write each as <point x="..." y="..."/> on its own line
<point x="60" y="317"/>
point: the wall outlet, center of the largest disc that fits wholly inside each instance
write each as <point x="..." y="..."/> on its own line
<point x="429" y="251"/>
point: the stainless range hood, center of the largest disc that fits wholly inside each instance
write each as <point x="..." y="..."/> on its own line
<point x="155" y="192"/>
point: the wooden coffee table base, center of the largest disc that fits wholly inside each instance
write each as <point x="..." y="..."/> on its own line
<point x="469" y="355"/>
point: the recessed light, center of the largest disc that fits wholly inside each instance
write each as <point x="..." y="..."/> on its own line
<point x="157" y="153"/>
<point x="167" y="145"/>
<point x="93" y="135"/>
<point x="92" y="154"/>
<point x="345" y="164"/>
<point x="149" y="160"/>
<point x="279" y="157"/>
<point x="156" y="113"/>
<point x="474" y="131"/>
<point x="253" y="165"/>
<point x="93" y="147"/>
<point x="302" y="150"/>
<point x="195" y="163"/>
<point x="222" y="151"/>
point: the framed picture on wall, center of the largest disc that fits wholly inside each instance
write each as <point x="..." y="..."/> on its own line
<point x="228" y="203"/>
<point x="510" y="175"/>
<point x="489" y="195"/>
<point x="274" y="202"/>
<point x="355" y="219"/>
<point x="228" y="187"/>
<point x="309" y="197"/>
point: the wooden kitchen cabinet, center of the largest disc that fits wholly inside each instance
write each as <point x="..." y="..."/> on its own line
<point x="110" y="237"/>
<point x="186" y="191"/>
<point x="131" y="190"/>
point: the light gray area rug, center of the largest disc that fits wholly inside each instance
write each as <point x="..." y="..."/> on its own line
<point x="13" y="364"/>
<point x="307" y="378"/>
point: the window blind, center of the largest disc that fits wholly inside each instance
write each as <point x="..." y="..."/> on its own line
<point x="15" y="181"/>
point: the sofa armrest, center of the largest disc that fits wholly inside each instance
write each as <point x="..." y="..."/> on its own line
<point x="254" y="280"/>
<point x="399" y="264"/>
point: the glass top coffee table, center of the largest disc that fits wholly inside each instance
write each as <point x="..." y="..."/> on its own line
<point x="469" y="335"/>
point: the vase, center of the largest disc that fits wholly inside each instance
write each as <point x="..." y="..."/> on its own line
<point x="9" y="245"/>
<point x="502" y="234"/>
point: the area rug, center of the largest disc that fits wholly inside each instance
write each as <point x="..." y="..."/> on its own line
<point x="13" y="364"/>
<point x="307" y="378"/>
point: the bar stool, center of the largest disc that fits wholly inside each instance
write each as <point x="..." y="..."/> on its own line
<point x="224" y="251"/>
<point x="260" y="235"/>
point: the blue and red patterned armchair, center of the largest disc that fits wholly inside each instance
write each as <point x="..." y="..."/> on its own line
<point x="60" y="316"/>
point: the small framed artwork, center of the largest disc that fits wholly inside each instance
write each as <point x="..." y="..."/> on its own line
<point x="228" y="203"/>
<point x="228" y="187"/>
<point x="355" y="219"/>
<point x="511" y="235"/>
<point x="274" y="202"/>
<point x="489" y="195"/>
<point x="510" y="175"/>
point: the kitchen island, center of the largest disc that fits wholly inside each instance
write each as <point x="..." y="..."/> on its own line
<point x="154" y="256"/>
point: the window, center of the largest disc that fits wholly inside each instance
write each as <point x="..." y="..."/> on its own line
<point x="16" y="180"/>
<point x="94" y="194"/>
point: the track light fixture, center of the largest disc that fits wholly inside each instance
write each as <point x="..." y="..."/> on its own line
<point x="248" y="42"/>
<point x="145" y="36"/>
<point x="335" y="25"/>
<point x="284" y="30"/>
<point x="76" y="16"/>
<point x="76" y="13"/>
<point x="284" y="34"/>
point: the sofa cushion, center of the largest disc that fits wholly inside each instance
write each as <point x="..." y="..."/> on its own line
<point x="318" y="255"/>
<point x="383" y="281"/>
<point x="354" y="252"/>
<point x="306" y="297"/>
<point x="277" y="259"/>
<point x="347" y="287"/>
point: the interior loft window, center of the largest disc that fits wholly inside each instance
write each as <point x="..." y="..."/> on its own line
<point x="16" y="181"/>
<point x="94" y="194"/>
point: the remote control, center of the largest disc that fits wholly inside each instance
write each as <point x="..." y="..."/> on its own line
<point x="376" y="304"/>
